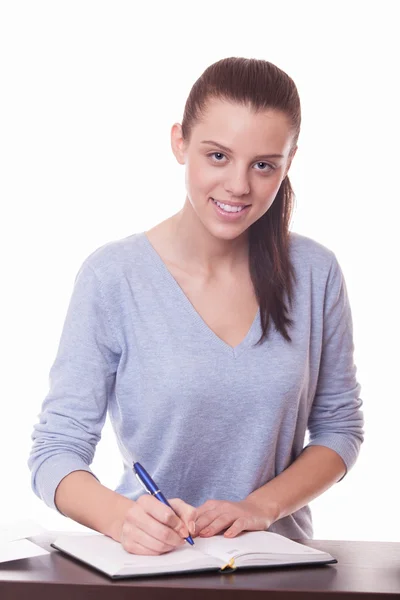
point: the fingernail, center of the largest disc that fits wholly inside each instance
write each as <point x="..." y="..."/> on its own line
<point x="192" y="527"/>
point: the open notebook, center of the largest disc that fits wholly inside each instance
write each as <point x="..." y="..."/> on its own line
<point x="248" y="550"/>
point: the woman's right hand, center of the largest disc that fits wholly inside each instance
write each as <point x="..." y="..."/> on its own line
<point x="150" y="527"/>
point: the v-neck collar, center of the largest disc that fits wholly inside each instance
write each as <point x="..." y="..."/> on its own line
<point x="180" y="295"/>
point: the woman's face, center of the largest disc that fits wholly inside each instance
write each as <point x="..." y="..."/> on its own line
<point x="235" y="157"/>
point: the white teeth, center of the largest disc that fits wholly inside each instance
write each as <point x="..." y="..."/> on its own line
<point x="227" y="207"/>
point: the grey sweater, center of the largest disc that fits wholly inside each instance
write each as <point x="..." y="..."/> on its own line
<point x="206" y="420"/>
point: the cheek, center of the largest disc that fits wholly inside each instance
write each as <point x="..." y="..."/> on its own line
<point x="269" y="188"/>
<point x="200" y="178"/>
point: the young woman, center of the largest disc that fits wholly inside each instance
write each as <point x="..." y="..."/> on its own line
<point x="216" y="340"/>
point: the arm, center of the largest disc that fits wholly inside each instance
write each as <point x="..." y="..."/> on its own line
<point x="81" y="380"/>
<point x="335" y="421"/>
<point x="146" y="526"/>
<point x="312" y="473"/>
<point x="335" y="425"/>
<point x="84" y="499"/>
<point x="73" y="414"/>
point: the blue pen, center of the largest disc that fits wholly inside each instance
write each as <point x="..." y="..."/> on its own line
<point x="146" y="481"/>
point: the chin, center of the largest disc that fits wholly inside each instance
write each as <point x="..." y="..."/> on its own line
<point x="228" y="233"/>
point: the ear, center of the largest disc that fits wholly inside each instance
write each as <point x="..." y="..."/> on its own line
<point x="177" y="143"/>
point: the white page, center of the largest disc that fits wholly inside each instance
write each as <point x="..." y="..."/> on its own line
<point x="252" y="542"/>
<point x="19" y="549"/>
<point x="110" y="556"/>
<point x="18" y="530"/>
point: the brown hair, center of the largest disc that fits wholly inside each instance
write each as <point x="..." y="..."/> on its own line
<point x="262" y="86"/>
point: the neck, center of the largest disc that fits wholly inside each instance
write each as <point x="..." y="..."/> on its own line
<point x="198" y="251"/>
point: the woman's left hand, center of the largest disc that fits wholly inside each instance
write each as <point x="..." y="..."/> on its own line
<point x="216" y="515"/>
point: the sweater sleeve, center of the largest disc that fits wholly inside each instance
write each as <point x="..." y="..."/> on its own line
<point x="81" y="378"/>
<point x="336" y="420"/>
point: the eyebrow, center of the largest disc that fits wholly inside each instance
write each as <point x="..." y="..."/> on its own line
<point x="225" y="149"/>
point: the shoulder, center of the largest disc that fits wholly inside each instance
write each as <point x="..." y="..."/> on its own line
<point x="316" y="264"/>
<point x="110" y="259"/>
<point x="306" y="253"/>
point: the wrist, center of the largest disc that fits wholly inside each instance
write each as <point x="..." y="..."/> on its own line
<point x="118" y="515"/>
<point x="269" y="507"/>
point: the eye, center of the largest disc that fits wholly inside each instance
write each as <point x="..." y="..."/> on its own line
<point x="217" y="156"/>
<point x="213" y="154"/>
<point x="266" y="165"/>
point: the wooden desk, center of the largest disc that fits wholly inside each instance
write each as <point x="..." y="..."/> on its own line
<point x="365" y="571"/>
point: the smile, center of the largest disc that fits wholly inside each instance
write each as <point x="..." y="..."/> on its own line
<point x="228" y="213"/>
<point x="228" y="208"/>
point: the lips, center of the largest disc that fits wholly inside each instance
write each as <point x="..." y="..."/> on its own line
<point x="229" y="203"/>
<point x="229" y="215"/>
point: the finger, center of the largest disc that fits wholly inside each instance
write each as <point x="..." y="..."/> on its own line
<point x="208" y="516"/>
<point x="241" y="524"/>
<point x="162" y="513"/>
<point x="158" y="520"/>
<point x="217" y="525"/>
<point x="246" y="524"/>
<point x="156" y="535"/>
<point x="135" y="548"/>
<point x="186" y="512"/>
<point x="137" y="541"/>
<point x="206" y="507"/>
<point x="204" y="521"/>
<point x="237" y="527"/>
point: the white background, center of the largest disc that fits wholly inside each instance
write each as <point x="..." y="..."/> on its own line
<point x="90" y="91"/>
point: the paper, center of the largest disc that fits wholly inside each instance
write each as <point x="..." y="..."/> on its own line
<point x="13" y="546"/>
<point x="252" y="548"/>
<point x="19" y="530"/>
<point x="19" y="549"/>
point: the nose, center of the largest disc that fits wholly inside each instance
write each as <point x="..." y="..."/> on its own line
<point x="238" y="184"/>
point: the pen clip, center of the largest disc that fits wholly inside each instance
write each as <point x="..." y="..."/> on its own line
<point x="142" y="484"/>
